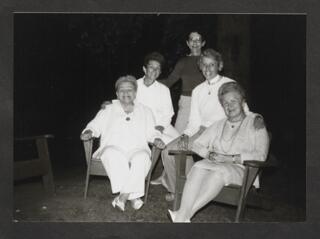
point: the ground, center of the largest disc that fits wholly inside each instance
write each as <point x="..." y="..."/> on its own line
<point x="31" y="203"/>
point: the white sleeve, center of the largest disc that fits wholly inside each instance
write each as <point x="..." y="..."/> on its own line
<point x="261" y="146"/>
<point x="97" y="124"/>
<point x="194" y="117"/>
<point x="151" y="132"/>
<point x="166" y="109"/>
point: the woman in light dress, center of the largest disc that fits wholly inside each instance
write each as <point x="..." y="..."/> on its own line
<point x="224" y="146"/>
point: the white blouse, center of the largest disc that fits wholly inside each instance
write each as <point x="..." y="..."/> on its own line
<point x="129" y="132"/>
<point x="157" y="97"/>
<point x="205" y="106"/>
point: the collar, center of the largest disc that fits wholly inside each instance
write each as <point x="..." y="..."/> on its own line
<point x="116" y="103"/>
<point x="214" y="80"/>
<point x="153" y="84"/>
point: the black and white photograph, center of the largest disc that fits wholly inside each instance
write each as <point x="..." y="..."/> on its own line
<point x="159" y="117"/>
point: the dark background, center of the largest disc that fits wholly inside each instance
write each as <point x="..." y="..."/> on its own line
<point x="65" y="65"/>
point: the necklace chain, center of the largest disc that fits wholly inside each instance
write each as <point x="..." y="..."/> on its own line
<point x="209" y="90"/>
<point x="232" y="138"/>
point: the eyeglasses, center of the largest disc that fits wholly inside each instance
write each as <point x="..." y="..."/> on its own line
<point x="195" y="40"/>
<point x="211" y="65"/>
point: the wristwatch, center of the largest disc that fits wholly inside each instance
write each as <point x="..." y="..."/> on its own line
<point x="233" y="159"/>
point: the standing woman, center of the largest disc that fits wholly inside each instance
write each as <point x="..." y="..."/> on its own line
<point x="224" y="146"/>
<point x="188" y="71"/>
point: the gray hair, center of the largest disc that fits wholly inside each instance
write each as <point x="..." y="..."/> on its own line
<point x="128" y="78"/>
<point x="230" y="87"/>
<point x="213" y="54"/>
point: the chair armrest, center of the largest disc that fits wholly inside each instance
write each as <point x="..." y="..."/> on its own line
<point x="152" y="145"/>
<point x="46" y="136"/>
<point x="258" y="164"/>
<point x="255" y="163"/>
<point x="88" y="147"/>
<point x="177" y="152"/>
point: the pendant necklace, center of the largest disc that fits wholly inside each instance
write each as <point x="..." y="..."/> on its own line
<point x="128" y="112"/>
<point x="232" y="138"/>
<point x="209" y="89"/>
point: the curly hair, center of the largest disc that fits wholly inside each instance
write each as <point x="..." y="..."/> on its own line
<point x="231" y="87"/>
<point x="154" y="56"/>
<point x="213" y="54"/>
<point x="128" y="78"/>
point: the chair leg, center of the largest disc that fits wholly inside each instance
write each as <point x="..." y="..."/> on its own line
<point x="240" y="209"/>
<point x="243" y="196"/>
<point x="43" y="153"/>
<point x="47" y="180"/>
<point x="180" y="162"/>
<point x="86" y="187"/>
<point x="155" y="156"/>
<point x="177" y="201"/>
<point x="87" y="183"/>
<point x="147" y="188"/>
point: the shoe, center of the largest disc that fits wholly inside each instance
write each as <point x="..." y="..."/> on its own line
<point x="171" y="215"/>
<point x="136" y="203"/>
<point x="169" y="197"/>
<point x="157" y="181"/>
<point x="116" y="203"/>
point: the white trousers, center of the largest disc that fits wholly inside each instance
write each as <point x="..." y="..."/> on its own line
<point x="168" y="179"/>
<point x="183" y="113"/>
<point x="126" y="171"/>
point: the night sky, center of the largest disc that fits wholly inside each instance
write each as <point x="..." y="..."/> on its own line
<point x="65" y="66"/>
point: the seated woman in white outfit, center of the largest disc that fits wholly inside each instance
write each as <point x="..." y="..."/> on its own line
<point x="156" y="96"/>
<point x="125" y="128"/>
<point x="224" y="146"/>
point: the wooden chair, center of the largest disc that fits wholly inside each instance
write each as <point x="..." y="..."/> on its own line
<point x="95" y="167"/>
<point x="232" y="194"/>
<point x="40" y="166"/>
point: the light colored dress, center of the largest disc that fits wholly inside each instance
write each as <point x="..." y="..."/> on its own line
<point x="250" y="143"/>
<point x="205" y="110"/>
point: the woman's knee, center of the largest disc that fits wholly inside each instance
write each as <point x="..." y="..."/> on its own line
<point x="196" y="172"/>
<point x="218" y="178"/>
<point x="141" y="157"/>
<point x="113" y="155"/>
<point x="141" y="160"/>
<point x="111" y="150"/>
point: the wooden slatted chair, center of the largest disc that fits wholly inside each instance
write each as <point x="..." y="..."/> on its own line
<point x="95" y="167"/>
<point x="40" y="166"/>
<point x="235" y="195"/>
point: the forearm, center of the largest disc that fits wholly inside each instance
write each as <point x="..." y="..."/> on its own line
<point x="94" y="128"/>
<point x="225" y="158"/>
<point x="175" y="74"/>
